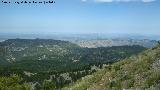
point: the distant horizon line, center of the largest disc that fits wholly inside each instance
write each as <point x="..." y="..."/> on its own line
<point x="78" y="36"/>
<point x="139" y="34"/>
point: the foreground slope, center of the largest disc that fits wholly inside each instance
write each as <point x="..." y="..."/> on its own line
<point x="141" y="72"/>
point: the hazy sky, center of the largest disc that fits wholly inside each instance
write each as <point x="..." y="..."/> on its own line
<point x="82" y="16"/>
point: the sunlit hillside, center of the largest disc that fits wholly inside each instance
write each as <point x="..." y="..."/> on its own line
<point x="140" y="72"/>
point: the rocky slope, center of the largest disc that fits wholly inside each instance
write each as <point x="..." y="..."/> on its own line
<point x="115" y="42"/>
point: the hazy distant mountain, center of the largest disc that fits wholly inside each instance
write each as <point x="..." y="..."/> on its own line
<point x="77" y="36"/>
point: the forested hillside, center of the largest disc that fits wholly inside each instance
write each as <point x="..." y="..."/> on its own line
<point x="50" y="55"/>
<point x="46" y="64"/>
<point x="138" y="72"/>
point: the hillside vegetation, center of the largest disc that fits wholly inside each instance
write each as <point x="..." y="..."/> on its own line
<point x="13" y="83"/>
<point x="140" y="72"/>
